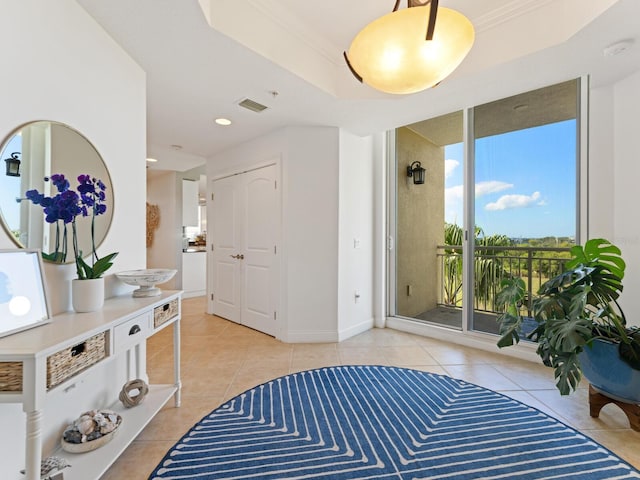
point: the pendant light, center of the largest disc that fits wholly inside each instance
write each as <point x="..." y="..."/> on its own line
<point x="409" y="50"/>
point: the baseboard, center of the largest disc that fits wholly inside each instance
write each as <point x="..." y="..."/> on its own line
<point x="355" y="329"/>
<point x="194" y="293"/>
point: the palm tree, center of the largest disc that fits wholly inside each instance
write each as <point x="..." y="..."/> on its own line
<point x="488" y="268"/>
<point x="452" y="264"/>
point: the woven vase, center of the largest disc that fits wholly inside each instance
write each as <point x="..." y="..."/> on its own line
<point x="87" y="295"/>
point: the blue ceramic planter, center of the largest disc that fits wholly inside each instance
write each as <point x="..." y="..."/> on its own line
<point x="608" y="373"/>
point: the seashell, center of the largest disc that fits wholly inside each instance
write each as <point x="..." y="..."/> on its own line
<point x="108" y="428"/>
<point x="72" y="436"/>
<point x="85" y="427"/>
<point x="100" y="419"/>
<point x="83" y="418"/>
<point x="51" y="465"/>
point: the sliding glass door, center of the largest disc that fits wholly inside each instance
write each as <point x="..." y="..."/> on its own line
<point x="428" y="276"/>
<point x="500" y="198"/>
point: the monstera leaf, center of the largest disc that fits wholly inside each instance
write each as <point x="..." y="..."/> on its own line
<point x="511" y="295"/>
<point x="573" y="309"/>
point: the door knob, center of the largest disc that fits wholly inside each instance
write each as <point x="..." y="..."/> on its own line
<point x="238" y="256"/>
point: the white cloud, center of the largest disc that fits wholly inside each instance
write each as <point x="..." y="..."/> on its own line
<point x="513" y="201"/>
<point x="453" y="194"/>
<point x="449" y="167"/>
<point x="482" y="188"/>
<point x="493" y="186"/>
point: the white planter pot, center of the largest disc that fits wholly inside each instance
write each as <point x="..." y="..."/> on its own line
<point x="87" y="295"/>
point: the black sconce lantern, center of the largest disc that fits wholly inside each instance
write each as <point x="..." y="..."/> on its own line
<point x="416" y="171"/>
<point x="13" y="165"/>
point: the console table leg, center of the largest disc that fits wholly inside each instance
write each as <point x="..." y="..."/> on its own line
<point x="33" y="456"/>
<point x="176" y="362"/>
<point x="598" y="400"/>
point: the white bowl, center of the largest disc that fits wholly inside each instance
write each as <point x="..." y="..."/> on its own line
<point x="146" y="279"/>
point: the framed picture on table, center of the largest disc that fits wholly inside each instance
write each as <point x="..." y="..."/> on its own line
<point x="23" y="291"/>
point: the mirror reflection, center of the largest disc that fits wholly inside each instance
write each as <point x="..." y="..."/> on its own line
<point x="43" y="149"/>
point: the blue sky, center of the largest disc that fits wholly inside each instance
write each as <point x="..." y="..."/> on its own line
<point x="525" y="182"/>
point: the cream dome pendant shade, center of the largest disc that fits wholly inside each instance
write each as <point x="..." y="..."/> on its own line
<point x="409" y="50"/>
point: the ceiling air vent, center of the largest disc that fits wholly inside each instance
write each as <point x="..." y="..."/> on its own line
<point x="251" y="105"/>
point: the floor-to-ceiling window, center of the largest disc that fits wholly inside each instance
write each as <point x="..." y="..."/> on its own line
<point x="501" y="193"/>
<point x="428" y="276"/>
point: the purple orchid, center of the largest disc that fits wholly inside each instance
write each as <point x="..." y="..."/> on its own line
<point x="65" y="206"/>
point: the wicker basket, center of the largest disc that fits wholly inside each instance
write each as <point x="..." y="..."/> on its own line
<point x="72" y="360"/>
<point x="165" y="312"/>
<point x="10" y="376"/>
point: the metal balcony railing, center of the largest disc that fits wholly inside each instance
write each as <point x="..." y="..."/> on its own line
<point x="535" y="265"/>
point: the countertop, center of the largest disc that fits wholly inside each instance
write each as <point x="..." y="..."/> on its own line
<point x="194" y="249"/>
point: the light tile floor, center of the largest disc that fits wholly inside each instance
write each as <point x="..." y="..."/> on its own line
<point x="221" y="360"/>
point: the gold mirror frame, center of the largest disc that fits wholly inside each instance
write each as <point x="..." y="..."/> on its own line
<point x="46" y="148"/>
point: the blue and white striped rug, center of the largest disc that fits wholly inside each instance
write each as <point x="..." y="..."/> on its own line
<point x="373" y="422"/>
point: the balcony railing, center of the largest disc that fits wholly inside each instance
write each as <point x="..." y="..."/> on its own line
<point x="535" y="265"/>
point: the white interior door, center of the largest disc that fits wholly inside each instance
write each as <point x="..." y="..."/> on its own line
<point x="226" y="246"/>
<point x="259" y="198"/>
<point x="246" y="225"/>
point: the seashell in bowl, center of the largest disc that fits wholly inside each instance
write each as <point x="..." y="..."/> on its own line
<point x="91" y="430"/>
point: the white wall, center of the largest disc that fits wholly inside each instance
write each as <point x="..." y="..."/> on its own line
<point x="356" y="238"/>
<point x="614" y="171"/>
<point x="62" y="66"/>
<point x="601" y="175"/>
<point x="310" y="228"/>
<point x="310" y="159"/>
<point x="623" y="160"/>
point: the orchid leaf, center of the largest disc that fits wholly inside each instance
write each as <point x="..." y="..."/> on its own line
<point x="86" y="271"/>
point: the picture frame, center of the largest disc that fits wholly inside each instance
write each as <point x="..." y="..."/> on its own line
<point x="23" y="291"/>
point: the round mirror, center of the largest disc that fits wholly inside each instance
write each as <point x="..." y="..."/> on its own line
<point x="32" y="154"/>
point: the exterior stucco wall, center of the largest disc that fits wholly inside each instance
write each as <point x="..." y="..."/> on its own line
<point x="420" y="223"/>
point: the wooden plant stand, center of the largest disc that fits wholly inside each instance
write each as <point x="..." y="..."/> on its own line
<point x="598" y="400"/>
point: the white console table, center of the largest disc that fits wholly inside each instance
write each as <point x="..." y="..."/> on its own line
<point x="126" y="323"/>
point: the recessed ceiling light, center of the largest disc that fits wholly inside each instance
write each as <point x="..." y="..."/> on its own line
<point x="223" y="121"/>
<point x="151" y="160"/>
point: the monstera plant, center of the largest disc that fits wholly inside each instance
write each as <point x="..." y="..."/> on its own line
<point x="572" y="311"/>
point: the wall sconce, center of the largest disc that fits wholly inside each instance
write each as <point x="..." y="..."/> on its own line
<point x="416" y="171"/>
<point x="13" y="165"/>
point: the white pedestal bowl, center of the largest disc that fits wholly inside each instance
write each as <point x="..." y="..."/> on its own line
<point x="146" y="279"/>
